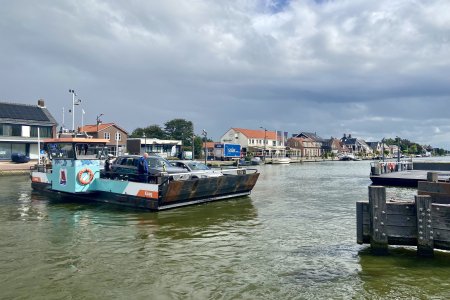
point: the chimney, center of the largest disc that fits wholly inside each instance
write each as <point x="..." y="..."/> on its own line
<point x="41" y="103"/>
<point x="345" y="136"/>
<point x="349" y="136"/>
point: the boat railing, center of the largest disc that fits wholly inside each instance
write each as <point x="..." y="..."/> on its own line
<point x="383" y="167"/>
<point x="43" y="168"/>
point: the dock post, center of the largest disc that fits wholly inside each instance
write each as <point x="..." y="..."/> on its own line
<point x="432" y="177"/>
<point x="425" y="242"/>
<point x="378" y="217"/>
<point x="359" y="223"/>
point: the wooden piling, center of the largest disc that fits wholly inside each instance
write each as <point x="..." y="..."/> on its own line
<point x="425" y="240"/>
<point x="378" y="218"/>
<point x="432" y="177"/>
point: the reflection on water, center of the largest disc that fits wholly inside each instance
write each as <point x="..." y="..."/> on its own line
<point x="293" y="238"/>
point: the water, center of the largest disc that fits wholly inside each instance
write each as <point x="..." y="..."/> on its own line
<point x="293" y="238"/>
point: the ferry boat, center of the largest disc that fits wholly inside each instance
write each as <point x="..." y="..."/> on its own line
<point x="75" y="174"/>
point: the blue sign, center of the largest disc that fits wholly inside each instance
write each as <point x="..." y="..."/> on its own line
<point x="218" y="146"/>
<point x="232" y="150"/>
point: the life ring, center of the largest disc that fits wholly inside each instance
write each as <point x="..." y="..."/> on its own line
<point x="82" y="178"/>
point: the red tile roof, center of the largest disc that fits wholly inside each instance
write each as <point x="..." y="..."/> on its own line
<point x="257" y="134"/>
<point x="209" y="144"/>
<point x="103" y="126"/>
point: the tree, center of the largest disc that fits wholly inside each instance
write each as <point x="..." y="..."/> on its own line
<point x="152" y="131"/>
<point x="180" y="129"/>
<point x="198" y="146"/>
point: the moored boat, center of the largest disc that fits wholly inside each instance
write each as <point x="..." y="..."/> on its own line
<point x="281" y="160"/>
<point x="75" y="174"/>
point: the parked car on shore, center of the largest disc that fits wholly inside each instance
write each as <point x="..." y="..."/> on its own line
<point x="196" y="169"/>
<point x="126" y="166"/>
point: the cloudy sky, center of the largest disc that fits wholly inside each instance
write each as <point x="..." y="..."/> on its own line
<point x="370" y="68"/>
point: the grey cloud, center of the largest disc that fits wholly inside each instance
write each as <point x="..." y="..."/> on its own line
<point x="373" y="68"/>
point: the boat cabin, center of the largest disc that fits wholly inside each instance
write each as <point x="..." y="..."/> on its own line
<point x="76" y="162"/>
<point x="76" y="148"/>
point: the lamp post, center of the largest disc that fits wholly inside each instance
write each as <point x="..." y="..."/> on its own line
<point x="265" y="137"/>
<point x="145" y="142"/>
<point x="98" y="122"/>
<point x="204" y="133"/>
<point x="398" y="151"/>
<point x="382" y="148"/>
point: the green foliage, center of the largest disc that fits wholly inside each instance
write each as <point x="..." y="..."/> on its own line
<point x="198" y="146"/>
<point x="152" y="131"/>
<point x="180" y="129"/>
<point x="406" y="146"/>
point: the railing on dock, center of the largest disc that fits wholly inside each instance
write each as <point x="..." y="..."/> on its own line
<point x="383" y="167"/>
<point x="424" y="222"/>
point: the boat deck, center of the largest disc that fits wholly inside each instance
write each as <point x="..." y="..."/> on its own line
<point x="408" y="178"/>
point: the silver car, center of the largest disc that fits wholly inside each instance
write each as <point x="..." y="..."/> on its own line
<point x="197" y="169"/>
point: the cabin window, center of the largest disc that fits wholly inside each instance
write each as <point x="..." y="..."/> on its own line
<point x="60" y="150"/>
<point x="91" y="151"/>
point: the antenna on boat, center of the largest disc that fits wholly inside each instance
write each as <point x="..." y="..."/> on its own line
<point x="78" y="102"/>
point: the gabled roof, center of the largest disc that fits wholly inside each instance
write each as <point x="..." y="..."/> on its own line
<point x="311" y="135"/>
<point x="257" y="134"/>
<point x="16" y="113"/>
<point x="101" y="127"/>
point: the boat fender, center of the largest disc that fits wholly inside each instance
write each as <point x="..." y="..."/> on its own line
<point x="391" y="166"/>
<point x="84" y="180"/>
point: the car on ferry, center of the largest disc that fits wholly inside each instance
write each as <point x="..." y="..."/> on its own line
<point x="196" y="169"/>
<point x="126" y="167"/>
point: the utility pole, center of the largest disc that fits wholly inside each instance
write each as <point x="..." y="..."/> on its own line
<point x="204" y="133"/>
<point x="265" y="137"/>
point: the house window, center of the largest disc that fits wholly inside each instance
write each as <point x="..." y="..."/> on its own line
<point x="107" y="135"/>
<point x="44" y="132"/>
<point x="10" y="130"/>
<point x="118" y="136"/>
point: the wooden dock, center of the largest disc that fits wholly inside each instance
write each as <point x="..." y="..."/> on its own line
<point x="423" y="222"/>
<point x="406" y="174"/>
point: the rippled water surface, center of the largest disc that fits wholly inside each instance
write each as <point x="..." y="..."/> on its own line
<point x="293" y="238"/>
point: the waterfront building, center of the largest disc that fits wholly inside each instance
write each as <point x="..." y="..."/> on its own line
<point x="377" y="147"/>
<point x="304" y="147"/>
<point x="318" y="141"/>
<point x="334" y="146"/>
<point x="260" y="142"/>
<point x="20" y="125"/>
<point x="356" y="146"/>
<point x="116" y="135"/>
<point x="163" y="148"/>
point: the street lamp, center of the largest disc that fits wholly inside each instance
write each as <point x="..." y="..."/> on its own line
<point x="145" y="142"/>
<point x="204" y="133"/>
<point x="398" y="151"/>
<point x="265" y="137"/>
<point x="382" y="148"/>
<point x="98" y="122"/>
